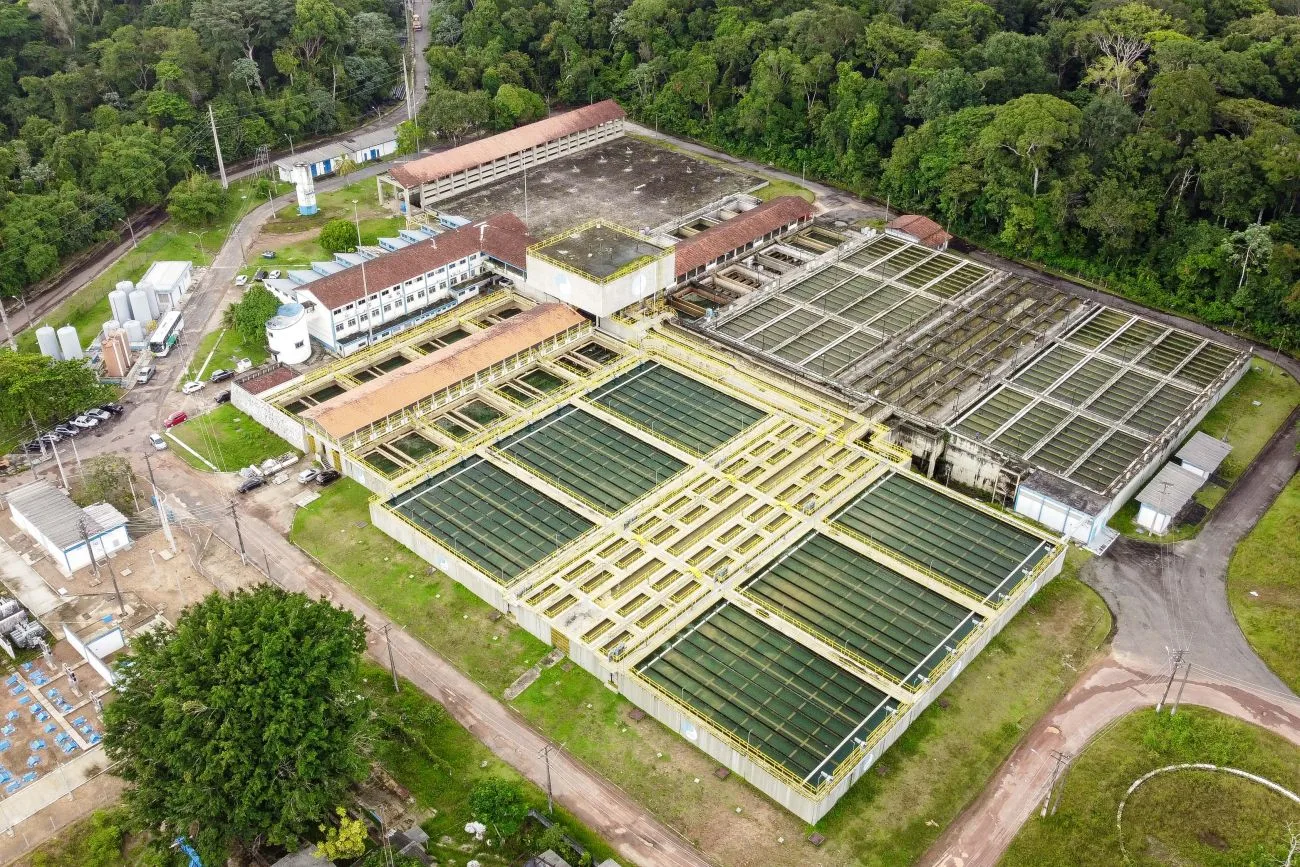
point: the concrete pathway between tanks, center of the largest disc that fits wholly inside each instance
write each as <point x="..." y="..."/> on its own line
<point x="635" y="834"/>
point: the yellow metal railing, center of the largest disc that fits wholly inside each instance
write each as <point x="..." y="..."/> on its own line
<point x="536" y="251"/>
<point x="908" y="561"/>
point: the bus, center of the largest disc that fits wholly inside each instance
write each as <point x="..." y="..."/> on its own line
<point x="167" y="333"/>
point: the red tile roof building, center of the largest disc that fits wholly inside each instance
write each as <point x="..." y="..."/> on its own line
<point x="743" y="232"/>
<point x="472" y="165"/>
<point x="922" y="230"/>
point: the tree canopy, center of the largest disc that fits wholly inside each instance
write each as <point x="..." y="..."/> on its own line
<point x="243" y="724"/>
<point x="338" y="236"/>
<point x="249" y="314"/>
<point x="37" y="392"/>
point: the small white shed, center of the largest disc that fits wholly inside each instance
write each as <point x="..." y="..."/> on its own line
<point x="169" y="280"/>
<point x="1202" y="454"/>
<point x="61" y="527"/>
<point x="1165" y="496"/>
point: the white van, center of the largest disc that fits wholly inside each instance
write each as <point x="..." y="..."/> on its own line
<point x="145" y="374"/>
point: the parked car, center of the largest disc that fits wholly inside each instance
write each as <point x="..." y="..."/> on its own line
<point x="307" y="475"/>
<point x="268" y="254"/>
<point x="251" y="485"/>
<point x="241" y="280"/>
<point x="50" y="438"/>
<point x="328" y="477"/>
<point x="66" y="430"/>
<point x="220" y="375"/>
<point x="224" y="397"/>
<point x="175" y="419"/>
<point x="114" y="408"/>
<point x="33" y="447"/>
<point x="193" y="386"/>
<point x="145" y="374"/>
<point x="275" y="275"/>
<point x="158" y="442"/>
<point x="99" y="414"/>
<point x="260" y="275"/>
<point x="84" y="422"/>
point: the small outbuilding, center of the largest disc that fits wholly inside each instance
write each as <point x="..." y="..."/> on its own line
<point x="1202" y="454"/>
<point x="1165" y="496"/>
<point x="169" y="281"/>
<point x="919" y="230"/>
<point x="62" y="528"/>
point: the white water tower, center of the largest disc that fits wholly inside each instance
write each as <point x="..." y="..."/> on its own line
<point x="287" y="336"/>
<point x="48" y="341"/>
<point x="70" y="343"/>
<point x="306" y="188"/>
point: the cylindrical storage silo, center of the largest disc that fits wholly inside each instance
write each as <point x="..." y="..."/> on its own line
<point x="69" y="342"/>
<point x="152" y="297"/>
<point x="140" y="311"/>
<point x="110" y="326"/>
<point x="48" y="341"/>
<point x="134" y="332"/>
<point x="119" y="303"/>
<point x="286" y="334"/>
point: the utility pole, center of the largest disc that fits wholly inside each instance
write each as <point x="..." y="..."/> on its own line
<point x="392" y="666"/>
<point x="1177" y="661"/>
<point x="365" y="287"/>
<point x="550" y="798"/>
<point x="85" y="537"/>
<point x="152" y="483"/>
<point x="1062" y="759"/>
<point x="59" y="461"/>
<point x="216" y="142"/>
<point x="234" y="516"/>
<point x="130" y="228"/>
<point x="406" y="85"/>
<point x="112" y="574"/>
<point x="1187" y="669"/>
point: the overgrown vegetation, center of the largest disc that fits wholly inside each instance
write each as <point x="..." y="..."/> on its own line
<point x="103" y="106"/>
<point x="1152" y="146"/>
<point x="106" y="479"/>
<point x="248" y="315"/>
<point x="1264" y="585"/>
<point x="37" y="393"/>
<point x="228" y="439"/>
<point x="1187" y="817"/>
<point x="108" y="838"/>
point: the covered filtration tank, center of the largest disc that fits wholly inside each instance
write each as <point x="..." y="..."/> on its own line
<point x="119" y="302"/>
<point x="48" y="341"/>
<point x="69" y="342"/>
<point x="134" y="332"/>
<point x="140" y="310"/>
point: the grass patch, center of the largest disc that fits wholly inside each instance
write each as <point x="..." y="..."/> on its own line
<point x="100" y="840"/>
<point x="1247" y="427"/>
<point x="227" y="347"/>
<point x="1185" y="817"/>
<point x="1267" y="562"/>
<point x="229" y="439"/>
<point x="87" y="309"/>
<point x="331" y="206"/>
<point x="439" y="761"/>
<point x="777" y="188"/>
<point x="336" y="530"/>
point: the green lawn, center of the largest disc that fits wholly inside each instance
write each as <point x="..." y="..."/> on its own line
<point x="439" y="761"/>
<point x="1245" y="426"/>
<point x="1185" y="817"/>
<point x="87" y="309"/>
<point x="330" y="206"/>
<point x="776" y="188"/>
<point x="336" y="530"/>
<point x="1267" y="563"/>
<point x="226" y="348"/>
<point x="938" y="766"/>
<point x="227" y="438"/>
<point x="1239" y="422"/>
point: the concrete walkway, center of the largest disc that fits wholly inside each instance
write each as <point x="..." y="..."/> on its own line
<point x="599" y="804"/>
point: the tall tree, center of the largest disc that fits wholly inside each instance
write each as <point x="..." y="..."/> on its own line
<point x="242" y="725"/>
<point x="1032" y="128"/>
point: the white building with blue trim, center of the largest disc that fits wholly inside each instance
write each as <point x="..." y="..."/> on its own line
<point x="62" y="528"/>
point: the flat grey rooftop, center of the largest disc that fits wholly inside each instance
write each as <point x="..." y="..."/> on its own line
<point x="598" y="251"/>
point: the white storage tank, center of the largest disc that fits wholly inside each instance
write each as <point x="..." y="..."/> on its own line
<point x="286" y="334"/>
<point x="70" y="343"/>
<point x="48" y="341"/>
<point x="140" y="310"/>
<point x="119" y="302"/>
<point x="151" y="295"/>
<point x="110" y="326"/>
<point x="134" y="332"/>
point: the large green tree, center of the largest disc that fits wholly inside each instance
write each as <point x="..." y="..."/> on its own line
<point x="243" y="725"/>
<point x="197" y="201"/>
<point x="249" y="314"/>
<point x="37" y="392"/>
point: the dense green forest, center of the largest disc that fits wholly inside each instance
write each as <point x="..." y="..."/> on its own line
<point x="1150" y="145"/>
<point x="103" y="105"/>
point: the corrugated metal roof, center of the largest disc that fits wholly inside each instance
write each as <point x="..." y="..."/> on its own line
<point x="52" y="513"/>
<point x="1204" y="452"/>
<point x="467" y="156"/>
<point x="502" y="236"/>
<point x="105" y="514"/>
<point x="1170" y="490"/>
<point x="741" y="229"/>
<point x="393" y="392"/>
